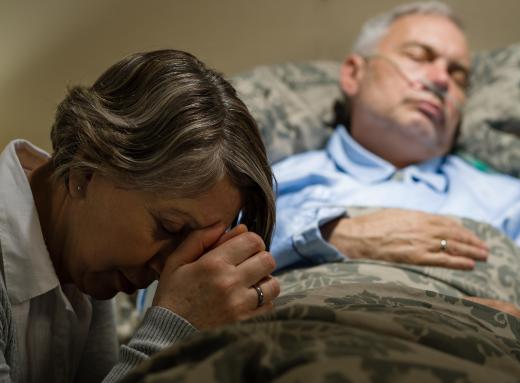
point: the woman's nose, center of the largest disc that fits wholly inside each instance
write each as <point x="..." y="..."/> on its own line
<point x="157" y="263"/>
<point x="159" y="259"/>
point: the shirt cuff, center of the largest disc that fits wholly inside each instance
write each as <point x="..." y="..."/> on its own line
<point x="311" y="245"/>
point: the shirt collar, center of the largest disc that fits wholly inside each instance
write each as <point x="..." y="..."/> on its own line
<point x="365" y="166"/>
<point x="25" y="256"/>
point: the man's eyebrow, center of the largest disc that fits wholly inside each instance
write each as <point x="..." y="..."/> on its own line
<point x="453" y="63"/>
<point x="429" y="49"/>
<point x="418" y="44"/>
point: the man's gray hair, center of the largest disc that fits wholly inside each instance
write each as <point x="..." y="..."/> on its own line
<point x="376" y="28"/>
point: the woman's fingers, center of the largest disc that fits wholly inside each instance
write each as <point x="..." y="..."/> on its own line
<point x="256" y="267"/>
<point x="239" y="248"/>
<point x="193" y="246"/>
<point x="262" y="294"/>
<point x="208" y="279"/>
<point x="237" y="230"/>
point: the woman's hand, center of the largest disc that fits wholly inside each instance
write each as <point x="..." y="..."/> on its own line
<point x="407" y="236"/>
<point x="209" y="279"/>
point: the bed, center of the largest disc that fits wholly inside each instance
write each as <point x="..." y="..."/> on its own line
<point x="369" y="321"/>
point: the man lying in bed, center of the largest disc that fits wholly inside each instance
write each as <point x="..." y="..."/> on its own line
<point x="405" y="84"/>
<point x="391" y="318"/>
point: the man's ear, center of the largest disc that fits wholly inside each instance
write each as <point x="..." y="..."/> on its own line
<point x="351" y="74"/>
<point x="78" y="182"/>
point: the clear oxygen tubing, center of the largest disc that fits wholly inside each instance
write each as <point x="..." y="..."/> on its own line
<point x="439" y="92"/>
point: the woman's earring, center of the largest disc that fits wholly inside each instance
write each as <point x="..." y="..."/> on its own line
<point x="78" y="188"/>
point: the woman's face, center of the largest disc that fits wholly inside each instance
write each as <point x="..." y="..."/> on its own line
<point x="118" y="239"/>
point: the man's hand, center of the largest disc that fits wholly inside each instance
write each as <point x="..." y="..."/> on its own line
<point x="209" y="278"/>
<point x="497" y="305"/>
<point x="406" y="236"/>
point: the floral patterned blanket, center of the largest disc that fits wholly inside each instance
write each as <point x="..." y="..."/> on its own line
<point x="364" y="321"/>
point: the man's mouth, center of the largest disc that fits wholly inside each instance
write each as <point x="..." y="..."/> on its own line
<point x="433" y="111"/>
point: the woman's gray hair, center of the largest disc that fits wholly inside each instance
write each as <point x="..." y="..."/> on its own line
<point x="162" y="122"/>
<point x="376" y="28"/>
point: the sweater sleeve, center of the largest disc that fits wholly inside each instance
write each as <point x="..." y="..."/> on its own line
<point x="5" y="367"/>
<point x="8" y="366"/>
<point x="160" y="328"/>
<point x="101" y="347"/>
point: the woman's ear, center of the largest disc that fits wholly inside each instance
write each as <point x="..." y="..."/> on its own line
<point x="351" y="74"/>
<point x="78" y="182"/>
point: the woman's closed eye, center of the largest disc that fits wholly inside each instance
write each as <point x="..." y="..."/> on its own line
<point x="165" y="229"/>
<point x="172" y="229"/>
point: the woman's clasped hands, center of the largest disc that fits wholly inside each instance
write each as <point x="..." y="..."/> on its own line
<point x="214" y="277"/>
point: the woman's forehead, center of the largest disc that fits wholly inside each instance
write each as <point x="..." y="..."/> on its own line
<point x="221" y="203"/>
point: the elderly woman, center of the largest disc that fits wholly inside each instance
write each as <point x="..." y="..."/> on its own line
<point x="157" y="171"/>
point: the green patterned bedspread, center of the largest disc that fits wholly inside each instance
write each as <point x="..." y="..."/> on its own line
<point x="366" y="321"/>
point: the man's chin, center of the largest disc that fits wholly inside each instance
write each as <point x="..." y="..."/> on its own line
<point x="421" y="129"/>
<point x="423" y="120"/>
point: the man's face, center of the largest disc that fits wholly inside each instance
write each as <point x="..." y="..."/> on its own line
<point x="407" y="98"/>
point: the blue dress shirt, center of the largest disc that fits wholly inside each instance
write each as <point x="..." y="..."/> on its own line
<point x="318" y="186"/>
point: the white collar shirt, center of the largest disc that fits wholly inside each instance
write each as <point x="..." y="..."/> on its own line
<point x="52" y="321"/>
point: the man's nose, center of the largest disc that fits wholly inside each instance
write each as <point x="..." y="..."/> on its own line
<point x="439" y="76"/>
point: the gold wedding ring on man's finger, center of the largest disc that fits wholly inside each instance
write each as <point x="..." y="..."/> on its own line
<point x="444" y="245"/>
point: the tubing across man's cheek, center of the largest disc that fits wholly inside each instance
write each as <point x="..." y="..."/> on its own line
<point x="420" y="83"/>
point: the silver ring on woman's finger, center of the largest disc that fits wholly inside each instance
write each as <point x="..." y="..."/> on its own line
<point x="260" y="294"/>
<point x="444" y="245"/>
